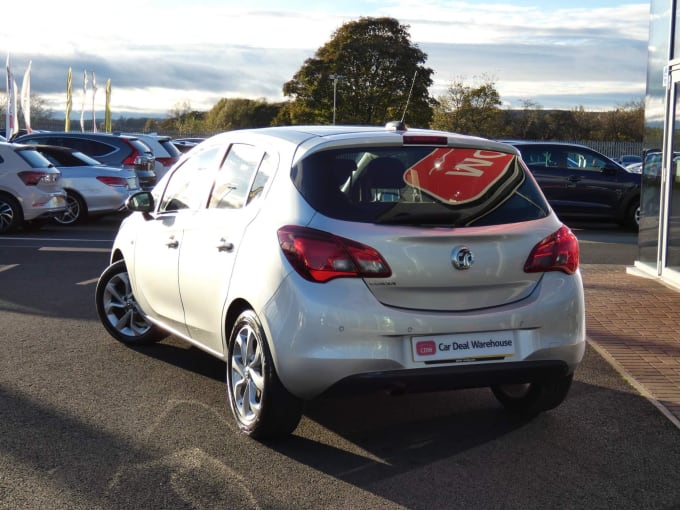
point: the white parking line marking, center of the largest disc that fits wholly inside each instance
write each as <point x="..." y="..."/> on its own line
<point x="61" y="240"/>
<point x="8" y="267"/>
<point x="88" y="282"/>
<point x="66" y="248"/>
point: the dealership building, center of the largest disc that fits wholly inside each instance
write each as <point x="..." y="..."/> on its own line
<point x="659" y="236"/>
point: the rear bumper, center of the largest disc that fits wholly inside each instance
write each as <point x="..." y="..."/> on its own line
<point x="323" y="336"/>
<point x="449" y="377"/>
<point x="39" y="205"/>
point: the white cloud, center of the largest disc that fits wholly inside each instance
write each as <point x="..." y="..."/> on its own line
<point x="161" y="53"/>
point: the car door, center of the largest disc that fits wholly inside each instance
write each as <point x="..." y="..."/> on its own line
<point x="576" y="180"/>
<point x="544" y="161"/>
<point x="160" y="239"/>
<point x="211" y="243"/>
<point x="593" y="184"/>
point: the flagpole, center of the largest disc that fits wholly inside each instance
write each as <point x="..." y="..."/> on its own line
<point x="10" y="116"/>
<point x="69" y="100"/>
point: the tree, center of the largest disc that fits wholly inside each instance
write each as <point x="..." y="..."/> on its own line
<point x="470" y="109"/>
<point x="625" y="123"/>
<point x="240" y="113"/>
<point x="40" y="112"/>
<point x="373" y="67"/>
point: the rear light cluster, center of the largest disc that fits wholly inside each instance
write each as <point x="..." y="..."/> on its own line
<point x="118" y="182"/>
<point x="319" y="256"/>
<point x="138" y="160"/>
<point x="167" y="162"/>
<point x="557" y="252"/>
<point x="35" y="177"/>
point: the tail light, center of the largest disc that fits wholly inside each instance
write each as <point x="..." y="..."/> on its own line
<point x="319" y="256"/>
<point x="137" y="159"/>
<point x="35" y="177"/>
<point x="133" y="159"/>
<point x="113" y="181"/>
<point x="557" y="252"/>
<point x="167" y="162"/>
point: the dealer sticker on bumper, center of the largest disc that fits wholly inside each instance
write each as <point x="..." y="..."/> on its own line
<point x="464" y="347"/>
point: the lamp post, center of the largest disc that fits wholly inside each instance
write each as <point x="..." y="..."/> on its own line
<point x="335" y="78"/>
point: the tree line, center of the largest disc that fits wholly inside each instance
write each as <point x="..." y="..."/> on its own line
<point x="370" y="73"/>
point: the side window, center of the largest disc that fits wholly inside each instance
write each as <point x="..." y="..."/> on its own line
<point x="538" y="157"/>
<point x="264" y="173"/>
<point x="585" y="160"/>
<point x="188" y="186"/>
<point x="232" y="185"/>
<point x="90" y="147"/>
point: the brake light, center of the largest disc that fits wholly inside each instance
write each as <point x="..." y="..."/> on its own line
<point x="167" y="162"/>
<point x="557" y="252"/>
<point x="133" y="159"/>
<point x="319" y="256"/>
<point x="35" y="177"/>
<point x="425" y="140"/>
<point x="113" y="181"/>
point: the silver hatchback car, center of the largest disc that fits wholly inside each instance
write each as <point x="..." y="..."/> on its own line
<point x="318" y="260"/>
<point x="30" y="188"/>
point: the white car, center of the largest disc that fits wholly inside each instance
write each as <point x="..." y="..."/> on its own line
<point x="324" y="259"/>
<point x="91" y="187"/>
<point x="30" y="190"/>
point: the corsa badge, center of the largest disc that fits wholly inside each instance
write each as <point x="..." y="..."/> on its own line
<point x="458" y="176"/>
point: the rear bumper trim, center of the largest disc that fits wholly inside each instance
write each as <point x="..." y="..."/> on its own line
<point x="450" y="377"/>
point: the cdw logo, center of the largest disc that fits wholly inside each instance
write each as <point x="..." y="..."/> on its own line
<point x="458" y="175"/>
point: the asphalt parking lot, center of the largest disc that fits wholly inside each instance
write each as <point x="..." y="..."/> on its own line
<point x="88" y="423"/>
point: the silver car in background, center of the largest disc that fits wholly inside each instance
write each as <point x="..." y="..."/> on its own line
<point x="30" y="188"/>
<point x="318" y="260"/>
<point x="91" y="187"/>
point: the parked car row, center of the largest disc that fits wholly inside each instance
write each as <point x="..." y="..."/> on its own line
<point x="579" y="182"/>
<point x="96" y="171"/>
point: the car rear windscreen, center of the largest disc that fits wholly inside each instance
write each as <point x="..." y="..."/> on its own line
<point x="417" y="185"/>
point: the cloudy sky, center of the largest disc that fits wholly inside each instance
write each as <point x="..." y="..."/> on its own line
<point x="160" y="54"/>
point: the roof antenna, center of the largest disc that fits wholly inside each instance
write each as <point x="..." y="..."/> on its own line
<point x="409" y="95"/>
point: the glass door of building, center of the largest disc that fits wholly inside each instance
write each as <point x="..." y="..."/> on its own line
<point x="669" y="224"/>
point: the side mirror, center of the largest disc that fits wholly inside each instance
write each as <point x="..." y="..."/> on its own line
<point x="140" y="202"/>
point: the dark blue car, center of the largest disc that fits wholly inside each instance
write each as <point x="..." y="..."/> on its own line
<point x="580" y="183"/>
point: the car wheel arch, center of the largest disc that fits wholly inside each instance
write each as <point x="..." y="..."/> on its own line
<point x="15" y="205"/>
<point x="236" y="308"/>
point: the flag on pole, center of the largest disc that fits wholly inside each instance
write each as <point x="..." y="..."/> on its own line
<point x="11" y="112"/>
<point x="107" y="108"/>
<point x="82" y="109"/>
<point x="26" y="98"/>
<point x="69" y="100"/>
<point x="94" y="93"/>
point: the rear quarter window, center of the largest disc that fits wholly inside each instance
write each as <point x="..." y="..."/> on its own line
<point x="423" y="186"/>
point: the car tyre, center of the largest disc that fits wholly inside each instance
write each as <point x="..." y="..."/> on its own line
<point x="261" y="405"/>
<point x="76" y="210"/>
<point x="118" y="309"/>
<point x="11" y="215"/>
<point x="632" y="218"/>
<point x="533" y="398"/>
